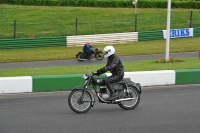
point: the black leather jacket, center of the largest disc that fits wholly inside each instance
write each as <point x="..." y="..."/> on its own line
<point x="114" y="65"/>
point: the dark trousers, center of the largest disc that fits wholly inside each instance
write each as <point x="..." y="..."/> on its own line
<point x="88" y="54"/>
<point x="112" y="79"/>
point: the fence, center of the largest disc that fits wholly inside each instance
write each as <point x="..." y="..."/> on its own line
<point x="62" y="21"/>
<point x="81" y="39"/>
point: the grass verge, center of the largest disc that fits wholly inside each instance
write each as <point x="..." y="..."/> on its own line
<point x="188" y="63"/>
<point x="129" y="49"/>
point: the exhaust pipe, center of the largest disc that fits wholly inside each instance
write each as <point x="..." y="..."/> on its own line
<point x="118" y="100"/>
<point x="102" y="99"/>
<point x="125" y="99"/>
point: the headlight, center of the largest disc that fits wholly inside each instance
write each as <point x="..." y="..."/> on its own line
<point x="85" y="77"/>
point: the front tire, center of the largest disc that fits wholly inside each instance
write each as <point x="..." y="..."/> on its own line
<point x="99" y="55"/>
<point x="129" y="105"/>
<point x="77" y="107"/>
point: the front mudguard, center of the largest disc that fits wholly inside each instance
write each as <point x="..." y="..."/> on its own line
<point x="136" y="85"/>
<point x="89" y="91"/>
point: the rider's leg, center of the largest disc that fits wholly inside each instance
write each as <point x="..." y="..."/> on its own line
<point x="89" y="55"/>
<point x="108" y="82"/>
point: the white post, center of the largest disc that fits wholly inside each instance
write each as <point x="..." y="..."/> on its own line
<point x="135" y="3"/>
<point x="168" y="30"/>
<point x="135" y="6"/>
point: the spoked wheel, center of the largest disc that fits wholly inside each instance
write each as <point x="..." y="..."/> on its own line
<point x="80" y="56"/>
<point x="133" y="93"/>
<point x="79" y="106"/>
<point x="99" y="55"/>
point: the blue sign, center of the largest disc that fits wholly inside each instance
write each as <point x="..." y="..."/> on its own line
<point x="176" y="33"/>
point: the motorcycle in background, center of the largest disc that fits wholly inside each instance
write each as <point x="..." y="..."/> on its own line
<point x="81" y="98"/>
<point x="98" y="54"/>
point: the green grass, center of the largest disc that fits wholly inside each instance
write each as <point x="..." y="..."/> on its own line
<point x="129" y="49"/>
<point x="43" y="21"/>
<point x="189" y="63"/>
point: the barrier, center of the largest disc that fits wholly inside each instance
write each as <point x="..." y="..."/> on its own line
<point x="150" y="35"/>
<point x="103" y="38"/>
<point x="68" y="82"/>
<point x="20" y="43"/>
<point x="188" y="76"/>
<point x="149" y="78"/>
<point x="57" y="82"/>
<point x="15" y="84"/>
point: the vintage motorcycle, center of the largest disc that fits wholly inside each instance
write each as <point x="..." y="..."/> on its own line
<point x="81" y="98"/>
<point x="98" y="54"/>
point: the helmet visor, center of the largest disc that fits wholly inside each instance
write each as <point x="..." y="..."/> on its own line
<point x="105" y="52"/>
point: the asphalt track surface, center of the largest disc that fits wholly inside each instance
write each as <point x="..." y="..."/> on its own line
<point x="162" y="109"/>
<point x="89" y="62"/>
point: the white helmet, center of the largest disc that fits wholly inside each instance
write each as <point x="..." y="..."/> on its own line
<point x="108" y="51"/>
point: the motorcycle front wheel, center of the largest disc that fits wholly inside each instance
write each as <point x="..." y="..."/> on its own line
<point x="80" y="56"/>
<point x="99" y="55"/>
<point x="80" y="106"/>
<point x="129" y="105"/>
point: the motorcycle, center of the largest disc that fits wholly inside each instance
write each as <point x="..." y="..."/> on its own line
<point x="81" y="98"/>
<point x="98" y="54"/>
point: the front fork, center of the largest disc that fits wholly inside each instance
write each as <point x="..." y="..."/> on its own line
<point x="80" y="99"/>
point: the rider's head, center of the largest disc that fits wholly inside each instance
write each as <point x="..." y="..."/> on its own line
<point x="88" y="42"/>
<point x="108" y="51"/>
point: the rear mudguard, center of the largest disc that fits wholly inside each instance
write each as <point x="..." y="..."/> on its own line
<point x="136" y="85"/>
<point x="89" y="91"/>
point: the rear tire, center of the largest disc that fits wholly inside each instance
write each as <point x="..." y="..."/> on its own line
<point x="99" y="55"/>
<point x="80" y="56"/>
<point x="129" y="105"/>
<point x="80" y="107"/>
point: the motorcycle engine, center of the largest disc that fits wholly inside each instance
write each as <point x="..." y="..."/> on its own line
<point x="105" y="96"/>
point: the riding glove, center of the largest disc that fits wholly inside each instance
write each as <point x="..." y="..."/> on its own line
<point x="100" y="71"/>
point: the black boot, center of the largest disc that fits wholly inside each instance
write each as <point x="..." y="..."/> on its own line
<point x="112" y="94"/>
<point x="111" y="98"/>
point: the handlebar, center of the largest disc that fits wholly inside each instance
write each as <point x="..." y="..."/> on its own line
<point x="94" y="73"/>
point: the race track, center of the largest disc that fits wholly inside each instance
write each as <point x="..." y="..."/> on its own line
<point x="163" y="109"/>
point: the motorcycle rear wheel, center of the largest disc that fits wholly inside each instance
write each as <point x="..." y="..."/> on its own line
<point x="77" y="107"/>
<point x="80" y="56"/>
<point x="129" y="105"/>
<point x="99" y="55"/>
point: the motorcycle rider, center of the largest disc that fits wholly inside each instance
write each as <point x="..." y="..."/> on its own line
<point x="115" y="66"/>
<point x="88" y="50"/>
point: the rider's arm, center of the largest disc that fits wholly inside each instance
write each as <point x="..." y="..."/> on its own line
<point x="112" y="64"/>
<point x="109" y="66"/>
<point x="88" y="47"/>
<point x="102" y="70"/>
